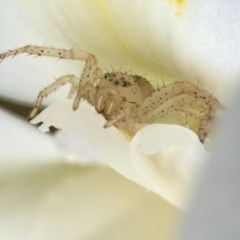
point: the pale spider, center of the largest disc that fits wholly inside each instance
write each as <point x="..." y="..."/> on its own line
<point x="128" y="101"/>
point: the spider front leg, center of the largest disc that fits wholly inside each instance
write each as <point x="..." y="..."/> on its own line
<point x="89" y="74"/>
<point x="124" y="119"/>
<point x="75" y="54"/>
<point x="73" y="80"/>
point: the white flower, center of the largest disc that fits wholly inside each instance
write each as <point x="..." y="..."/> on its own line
<point x="163" y="39"/>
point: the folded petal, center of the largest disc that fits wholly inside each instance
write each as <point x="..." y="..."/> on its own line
<point x="169" y="158"/>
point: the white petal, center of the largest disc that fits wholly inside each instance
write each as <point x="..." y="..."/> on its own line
<point x="23" y="146"/>
<point x="162" y="158"/>
<point x="61" y="202"/>
<point x="168" y="157"/>
<point x="175" y="41"/>
<point x="83" y="138"/>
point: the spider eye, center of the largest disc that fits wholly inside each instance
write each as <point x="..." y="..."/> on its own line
<point x="105" y="76"/>
<point x="124" y="83"/>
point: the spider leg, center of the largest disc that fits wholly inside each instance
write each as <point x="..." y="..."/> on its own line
<point x="75" y="54"/>
<point x="89" y="74"/>
<point x="114" y="120"/>
<point x="204" y="121"/>
<point x="73" y="80"/>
